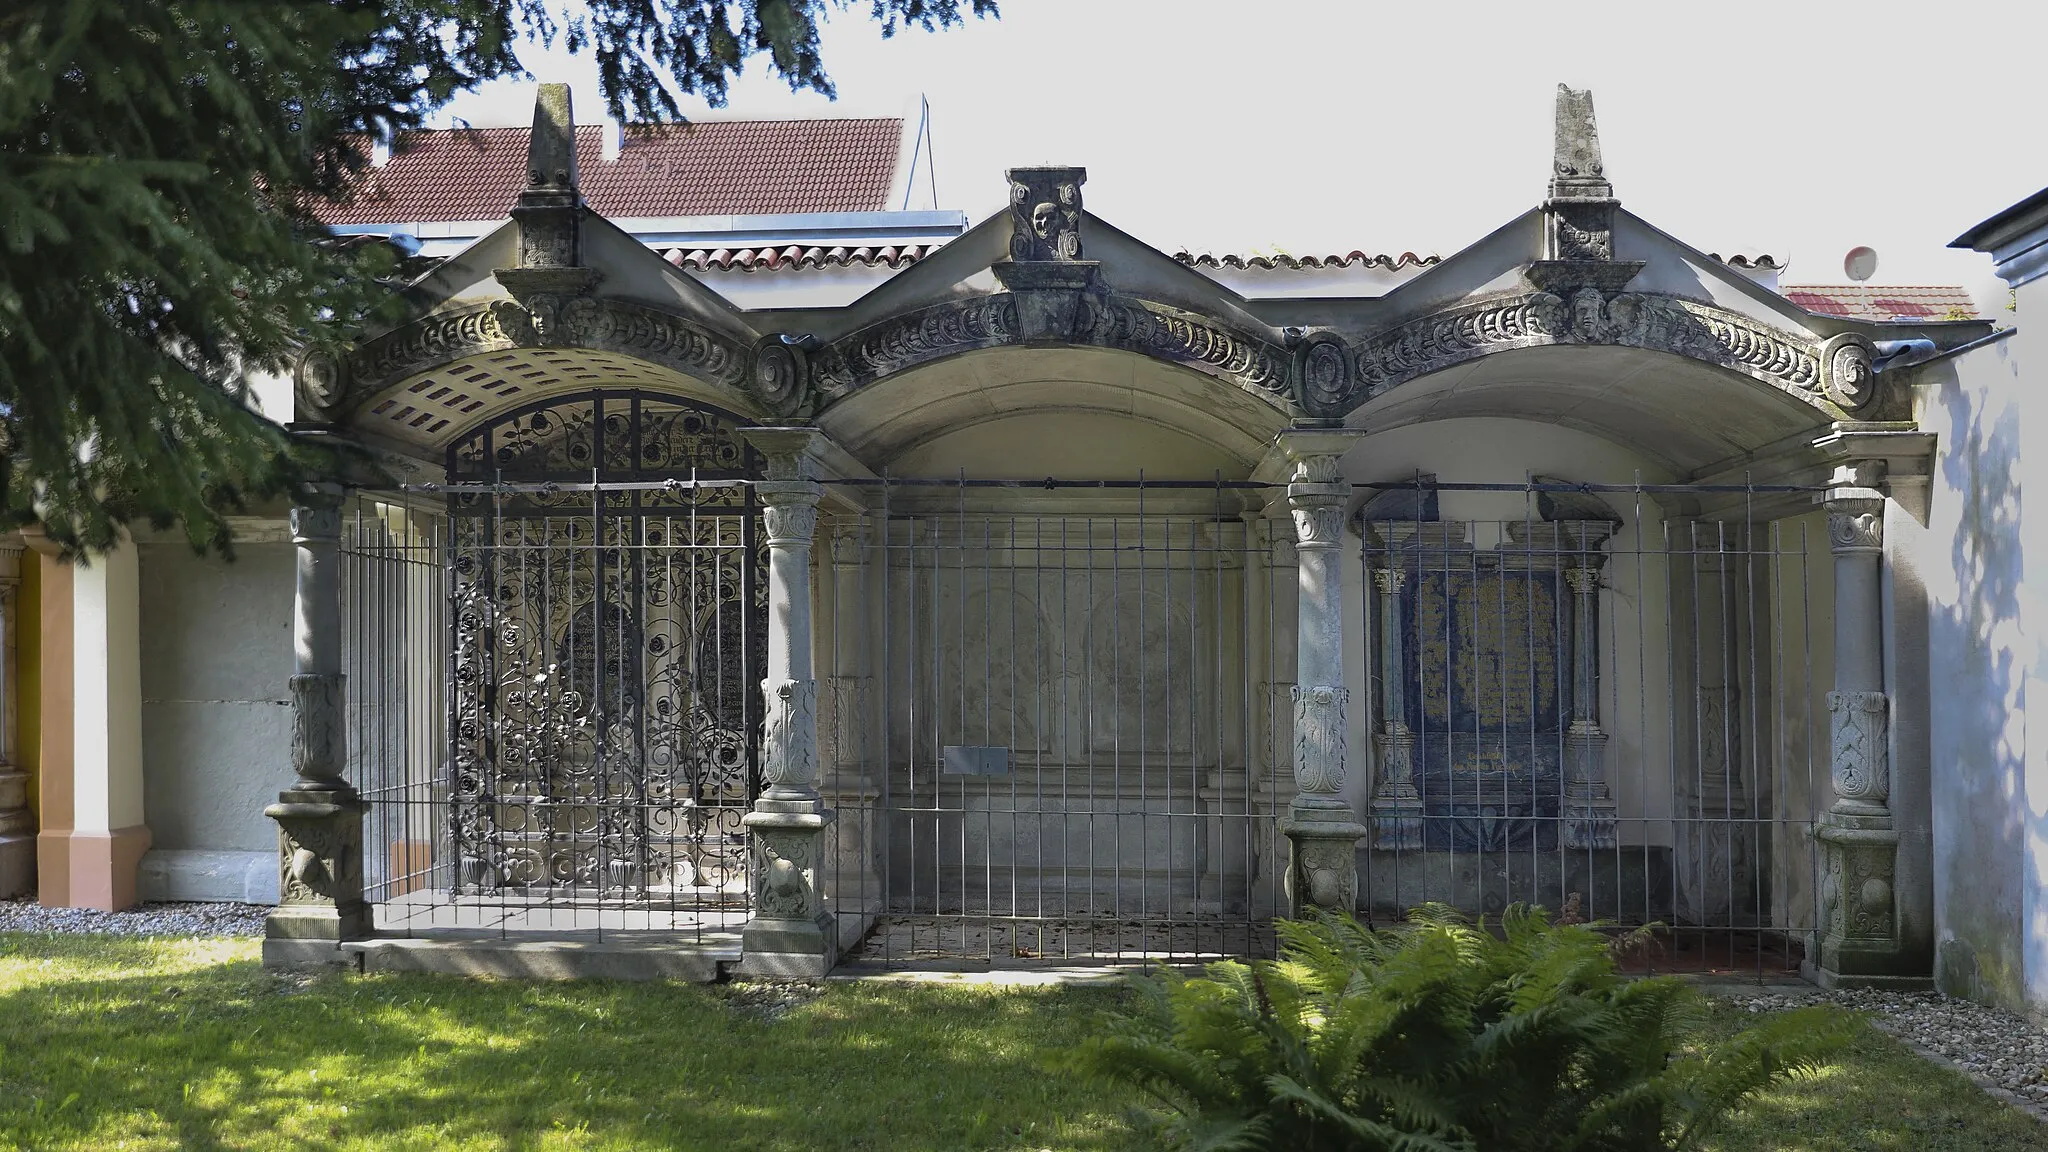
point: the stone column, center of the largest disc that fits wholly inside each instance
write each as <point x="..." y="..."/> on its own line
<point x="1396" y="804"/>
<point x="17" y="822"/>
<point x="1858" y="918"/>
<point x="1323" y="871"/>
<point x="1588" y="808"/>
<point x="320" y="817"/>
<point x="792" y="931"/>
<point x="856" y="883"/>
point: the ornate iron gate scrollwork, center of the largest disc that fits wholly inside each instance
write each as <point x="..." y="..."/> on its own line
<point x="609" y="622"/>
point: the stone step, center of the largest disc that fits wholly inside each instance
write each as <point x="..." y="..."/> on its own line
<point x="696" y="958"/>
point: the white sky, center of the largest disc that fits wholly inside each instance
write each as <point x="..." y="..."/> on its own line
<point x="1792" y="127"/>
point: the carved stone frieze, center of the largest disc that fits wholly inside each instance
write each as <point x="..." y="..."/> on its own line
<point x="1319" y="737"/>
<point x="1639" y="320"/>
<point x="789" y="743"/>
<point x="905" y="342"/>
<point x="1860" y="754"/>
<point x="1251" y="362"/>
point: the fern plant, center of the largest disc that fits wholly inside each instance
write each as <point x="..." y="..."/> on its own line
<point x="1440" y="1036"/>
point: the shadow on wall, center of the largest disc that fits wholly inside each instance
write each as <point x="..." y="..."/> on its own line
<point x="1977" y="694"/>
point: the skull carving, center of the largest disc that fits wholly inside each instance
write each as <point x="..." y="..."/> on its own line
<point x="1045" y="219"/>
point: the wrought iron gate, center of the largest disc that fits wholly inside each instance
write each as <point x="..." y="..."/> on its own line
<point x="1076" y="756"/>
<point x="602" y="637"/>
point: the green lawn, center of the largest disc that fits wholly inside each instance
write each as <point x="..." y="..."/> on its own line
<point x="109" y="1043"/>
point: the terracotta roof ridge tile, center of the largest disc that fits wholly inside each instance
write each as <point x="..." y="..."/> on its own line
<point x="1307" y="262"/>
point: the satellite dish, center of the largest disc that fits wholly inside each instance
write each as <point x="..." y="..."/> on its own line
<point x="1860" y="263"/>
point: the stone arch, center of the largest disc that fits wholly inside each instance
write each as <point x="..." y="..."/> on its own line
<point x="441" y="365"/>
<point x="1323" y="375"/>
<point x="1834" y="377"/>
<point x="1207" y="344"/>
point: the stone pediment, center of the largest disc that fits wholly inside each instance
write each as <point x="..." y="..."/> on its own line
<point x="561" y="295"/>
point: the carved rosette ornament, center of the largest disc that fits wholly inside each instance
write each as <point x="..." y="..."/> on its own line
<point x="1848" y="370"/>
<point x="320" y="384"/>
<point x="1325" y="380"/>
<point x="781" y="375"/>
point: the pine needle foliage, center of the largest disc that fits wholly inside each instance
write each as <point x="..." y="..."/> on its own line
<point x="1442" y="1036"/>
<point x="160" y="162"/>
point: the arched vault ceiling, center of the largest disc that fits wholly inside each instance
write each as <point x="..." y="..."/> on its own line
<point x="896" y="415"/>
<point x="427" y="411"/>
<point x="1682" y="412"/>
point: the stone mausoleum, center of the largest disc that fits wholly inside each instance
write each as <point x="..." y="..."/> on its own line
<point x="1018" y="591"/>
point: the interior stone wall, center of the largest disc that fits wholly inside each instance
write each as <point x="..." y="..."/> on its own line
<point x="216" y="724"/>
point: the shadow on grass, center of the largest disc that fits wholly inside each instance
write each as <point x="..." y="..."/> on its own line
<point x="1878" y="1096"/>
<point x="173" y="1045"/>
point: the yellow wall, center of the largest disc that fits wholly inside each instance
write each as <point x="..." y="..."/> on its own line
<point x="28" y="695"/>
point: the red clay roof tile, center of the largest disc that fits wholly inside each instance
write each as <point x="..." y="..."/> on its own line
<point x="1884" y="301"/>
<point x="713" y="167"/>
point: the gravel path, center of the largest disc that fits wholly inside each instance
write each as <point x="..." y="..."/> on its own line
<point x="145" y="920"/>
<point x="1991" y="1045"/>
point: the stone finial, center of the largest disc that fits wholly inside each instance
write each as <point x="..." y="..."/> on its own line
<point x="1578" y="140"/>
<point x="1579" y="215"/>
<point x="1045" y="213"/>
<point x="551" y="150"/>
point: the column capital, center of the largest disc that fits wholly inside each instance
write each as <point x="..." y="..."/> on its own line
<point x="1389" y="580"/>
<point x="1313" y="453"/>
<point x="316" y="523"/>
<point x="1855" y="519"/>
<point x="849" y="541"/>
<point x="792" y="452"/>
<point x="789" y="512"/>
<point x="1318" y="513"/>
<point x="1583" y="581"/>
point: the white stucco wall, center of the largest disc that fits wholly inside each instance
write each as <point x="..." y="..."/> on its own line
<point x="1969" y="559"/>
<point x="216" y="721"/>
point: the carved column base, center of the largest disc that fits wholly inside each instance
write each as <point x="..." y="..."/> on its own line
<point x="320" y="878"/>
<point x="1322" y="866"/>
<point x="1859" y="924"/>
<point x="793" y="931"/>
<point x="1588" y="809"/>
<point x="1396" y="808"/>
